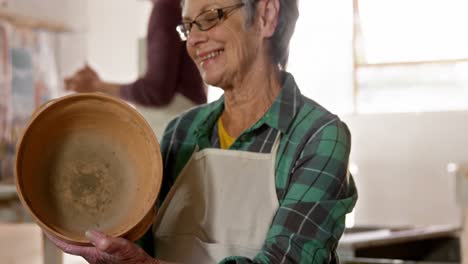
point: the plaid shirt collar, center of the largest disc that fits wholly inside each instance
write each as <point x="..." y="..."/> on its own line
<point x="280" y="115"/>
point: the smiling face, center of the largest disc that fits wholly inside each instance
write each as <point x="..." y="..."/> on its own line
<point x="229" y="51"/>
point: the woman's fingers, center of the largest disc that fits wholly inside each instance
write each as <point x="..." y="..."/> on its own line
<point x="116" y="246"/>
<point x="79" y="84"/>
<point x="106" y="249"/>
<point x="82" y="81"/>
<point x="88" y="73"/>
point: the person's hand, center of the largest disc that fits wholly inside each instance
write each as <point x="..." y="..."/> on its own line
<point x="106" y="250"/>
<point x="84" y="80"/>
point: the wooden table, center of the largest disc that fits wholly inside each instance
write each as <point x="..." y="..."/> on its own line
<point x="19" y="241"/>
<point x="384" y="240"/>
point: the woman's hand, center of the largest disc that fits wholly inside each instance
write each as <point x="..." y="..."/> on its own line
<point x="87" y="80"/>
<point x="106" y="250"/>
<point x="84" y="80"/>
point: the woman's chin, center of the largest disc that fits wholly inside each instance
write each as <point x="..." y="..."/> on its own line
<point x="212" y="79"/>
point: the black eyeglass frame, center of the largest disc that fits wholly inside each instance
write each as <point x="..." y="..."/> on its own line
<point x="185" y="28"/>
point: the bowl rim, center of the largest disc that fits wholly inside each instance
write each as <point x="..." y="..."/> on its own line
<point x="131" y="231"/>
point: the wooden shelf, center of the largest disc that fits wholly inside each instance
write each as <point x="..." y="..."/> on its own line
<point x="409" y="63"/>
<point x="32" y="23"/>
<point x="7" y="191"/>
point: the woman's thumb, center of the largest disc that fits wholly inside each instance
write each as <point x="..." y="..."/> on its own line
<point x="98" y="239"/>
<point x="107" y="244"/>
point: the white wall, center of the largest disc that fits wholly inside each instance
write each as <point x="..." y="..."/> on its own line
<point x="321" y="55"/>
<point x="114" y="27"/>
<point x="402" y="166"/>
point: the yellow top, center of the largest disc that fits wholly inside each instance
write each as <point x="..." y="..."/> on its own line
<point x="225" y="140"/>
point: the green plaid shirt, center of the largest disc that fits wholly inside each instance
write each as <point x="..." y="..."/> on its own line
<point x="312" y="183"/>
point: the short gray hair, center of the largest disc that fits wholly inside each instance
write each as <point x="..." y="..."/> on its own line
<point x="279" y="42"/>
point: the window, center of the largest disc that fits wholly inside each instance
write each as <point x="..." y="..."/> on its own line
<point x="410" y="55"/>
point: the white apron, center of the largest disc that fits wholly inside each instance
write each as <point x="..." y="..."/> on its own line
<point x="222" y="204"/>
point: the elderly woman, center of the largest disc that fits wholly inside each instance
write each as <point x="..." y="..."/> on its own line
<point x="259" y="176"/>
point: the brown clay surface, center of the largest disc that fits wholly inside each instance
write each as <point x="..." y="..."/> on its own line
<point x="89" y="163"/>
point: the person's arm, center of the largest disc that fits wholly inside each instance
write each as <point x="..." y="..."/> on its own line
<point x="158" y="85"/>
<point x="311" y="218"/>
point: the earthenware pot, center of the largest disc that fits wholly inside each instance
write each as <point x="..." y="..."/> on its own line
<point x="89" y="161"/>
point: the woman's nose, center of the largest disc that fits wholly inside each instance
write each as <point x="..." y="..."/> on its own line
<point x="196" y="36"/>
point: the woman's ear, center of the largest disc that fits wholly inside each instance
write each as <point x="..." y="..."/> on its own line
<point x="268" y="11"/>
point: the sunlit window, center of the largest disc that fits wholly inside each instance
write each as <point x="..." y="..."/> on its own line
<point x="411" y="56"/>
<point x="414" y="30"/>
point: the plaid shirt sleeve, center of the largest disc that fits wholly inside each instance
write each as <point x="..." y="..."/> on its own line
<point x="311" y="216"/>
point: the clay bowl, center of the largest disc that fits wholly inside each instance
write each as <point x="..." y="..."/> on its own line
<point x="88" y="161"/>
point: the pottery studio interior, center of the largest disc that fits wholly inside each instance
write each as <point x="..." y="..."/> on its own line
<point x="105" y="111"/>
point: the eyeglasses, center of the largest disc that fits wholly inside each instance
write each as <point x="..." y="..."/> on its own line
<point x="206" y="20"/>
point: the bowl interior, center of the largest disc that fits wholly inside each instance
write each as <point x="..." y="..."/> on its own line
<point x="88" y="163"/>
